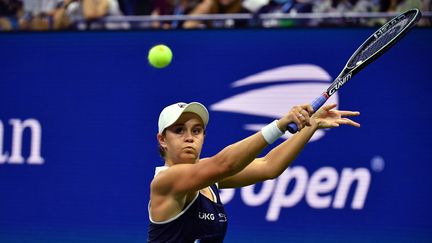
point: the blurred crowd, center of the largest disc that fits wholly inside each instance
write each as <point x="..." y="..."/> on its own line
<point x="40" y="15"/>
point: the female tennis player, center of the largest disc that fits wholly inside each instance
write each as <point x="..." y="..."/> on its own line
<point x="184" y="201"/>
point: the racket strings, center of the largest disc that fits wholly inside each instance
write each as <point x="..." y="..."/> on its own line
<point x="382" y="40"/>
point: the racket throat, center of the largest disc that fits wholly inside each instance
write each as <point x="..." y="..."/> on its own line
<point x="339" y="82"/>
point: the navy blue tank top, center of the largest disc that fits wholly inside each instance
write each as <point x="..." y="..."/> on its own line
<point x="202" y="221"/>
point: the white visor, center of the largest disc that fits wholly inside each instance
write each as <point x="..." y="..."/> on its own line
<point x="171" y="113"/>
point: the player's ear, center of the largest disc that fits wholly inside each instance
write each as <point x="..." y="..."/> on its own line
<point x="161" y="139"/>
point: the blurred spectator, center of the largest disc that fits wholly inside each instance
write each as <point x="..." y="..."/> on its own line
<point x="254" y="6"/>
<point x="393" y="6"/>
<point x="426" y="7"/>
<point x="10" y="11"/>
<point x="423" y="5"/>
<point x="127" y="7"/>
<point x="218" y="7"/>
<point x="38" y="14"/>
<point x="343" y="6"/>
<point x="141" y="7"/>
<point x="172" y="7"/>
<point x="86" y="14"/>
<point x="60" y="15"/>
<point x="137" y="7"/>
<point x="286" y="6"/>
<point x="399" y="5"/>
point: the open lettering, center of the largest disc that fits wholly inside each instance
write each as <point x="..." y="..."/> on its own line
<point x="18" y="127"/>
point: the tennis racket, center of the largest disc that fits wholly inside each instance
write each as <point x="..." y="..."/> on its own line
<point x="378" y="43"/>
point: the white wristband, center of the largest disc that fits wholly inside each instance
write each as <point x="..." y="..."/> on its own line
<point x="271" y="132"/>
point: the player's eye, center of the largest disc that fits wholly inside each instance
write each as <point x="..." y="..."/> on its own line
<point x="197" y="130"/>
<point x="178" y="130"/>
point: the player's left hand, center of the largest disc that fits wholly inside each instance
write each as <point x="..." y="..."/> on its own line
<point x="328" y="117"/>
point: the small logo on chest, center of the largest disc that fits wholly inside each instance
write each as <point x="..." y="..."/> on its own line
<point x="211" y="217"/>
<point x="206" y="216"/>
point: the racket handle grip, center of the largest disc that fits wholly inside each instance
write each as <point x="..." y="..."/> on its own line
<point x="316" y="104"/>
<point x="319" y="101"/>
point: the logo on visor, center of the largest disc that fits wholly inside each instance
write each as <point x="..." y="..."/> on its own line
<point x="284" y="87"/>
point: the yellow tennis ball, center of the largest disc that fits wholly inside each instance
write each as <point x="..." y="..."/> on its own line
<point x="160" y="56"/>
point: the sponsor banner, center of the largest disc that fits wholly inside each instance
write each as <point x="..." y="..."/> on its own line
<point x="78" y="124"/>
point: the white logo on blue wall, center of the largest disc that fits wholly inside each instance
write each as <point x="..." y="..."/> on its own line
<point x="326" y="187"/>
<point x="287" y="86"/>
<point x="17" y="129"/>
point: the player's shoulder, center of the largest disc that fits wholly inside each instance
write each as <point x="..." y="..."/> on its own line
<point x="169" y="173"/>
<point x="161" y="182"/>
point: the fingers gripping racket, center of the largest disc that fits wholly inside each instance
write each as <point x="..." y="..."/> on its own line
<point x="378" y="43"/>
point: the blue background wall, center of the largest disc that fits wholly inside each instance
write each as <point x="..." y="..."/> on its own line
<point x="97" y="102"/>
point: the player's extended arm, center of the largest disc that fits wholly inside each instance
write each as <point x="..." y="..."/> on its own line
<point x="278" y="159"/>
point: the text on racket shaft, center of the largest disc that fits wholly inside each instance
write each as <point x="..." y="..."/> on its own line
<point x="338" y="83"/>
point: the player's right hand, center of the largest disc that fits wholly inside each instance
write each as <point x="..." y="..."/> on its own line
<point x="299" y="114"/>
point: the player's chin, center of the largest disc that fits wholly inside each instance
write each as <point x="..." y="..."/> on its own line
<point x="189" y="156"/>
